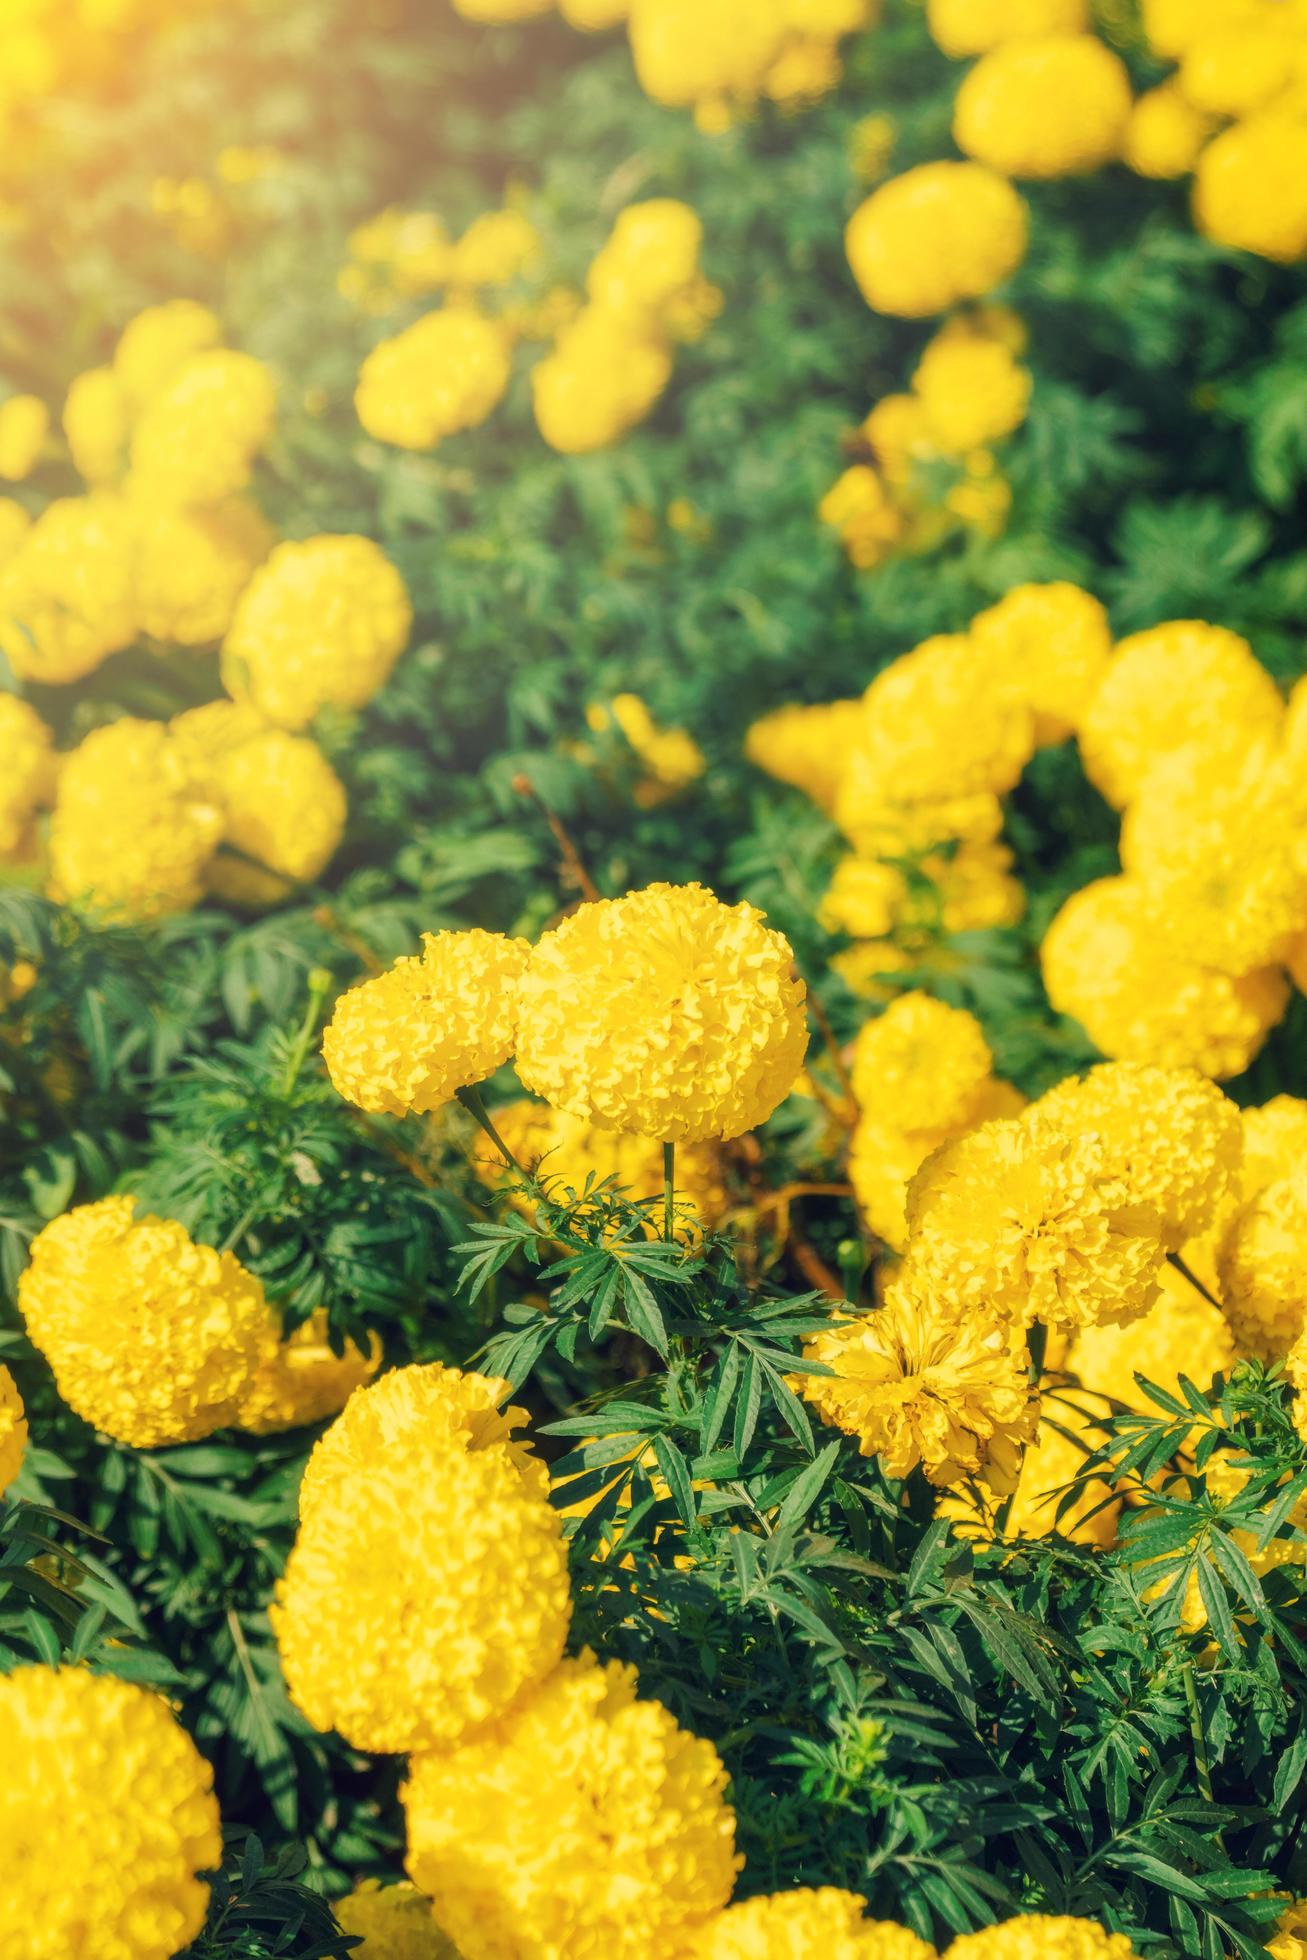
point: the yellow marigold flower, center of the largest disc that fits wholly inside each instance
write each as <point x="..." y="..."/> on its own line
<point x="897" y="429"/>
<point x="197" y="438"/>
<point x="1171" y="1135"/>
<point x="1052" y="106"/>
<point x="861" y="508"/>
<point x="934" y="728"/>
<point x="807" y="67"/>
<point x="395" y="1922"/>
<point x="602" y="378"/>
<point x="1179" y="686"/>
<point x="972" y="391"/>
<point x="1040" y="1936"/>
<point x="1106" y="964"/>
<point x="1165" y="133"/>
<point x="1047" y="646"/>
<point x="940" y="233"/>
<point x="1018" y="1218"/>
<point x="67" y="597"/>
<point x="1182" y="1334"/>
<point x="1262" y="1263"/>
<point x="967" y="27"/>
<point x="805" y="746"/>
<point x="27" y="773"/>
<point x="107" y="1818"/>
<point x="651" y="256"/>
<point x="14" y="527"/>
<point x="133" y="831"/>
<point x="1274" y="1140"/>
<point x="1238" y="71"/>
<point x="322" y="622"/>
<point x="1215" y="851"/>
<point x="865" y="898"/>
<point x="884" y="1159"/>
<point x="672" y="756"/>
<point x="974" y="889"/>
<point x="871" y="146"/>
<point x="880" y="822"/>
<point x="443" y="374"/>
<point x="1289" y="1941"/>
<point x="788" y="1925"/>
<point x="193" y="565"/>
<point x="495" y="248"/>
<point x="921" y="1065"/>
<point x="303" y="1380"/>
<point x="396" y="1412"/>
<point x="96" y="421"/>
<point x="24" y="426"/>
<point x="665" y="1013"/>
<point x="13" y="1430"/>
<point x="1232" y="202"/>
<point x="284" y="806"/>
<point x="1067" y="1435"/>
<point x="408" y="252"/>
<point x="919" y="1386"/>
<point x="584" y="1820"/>
<point x="690" y="51"/>
<point x="1172" y="25"/>
<point x="158" y="343"/>
<point x="151" y="1337"/>
<point x="564" y="1151"/>
<point x="206" y="736"/>
<point x="410" y="1038"/>
<point x="422" y="1598"/>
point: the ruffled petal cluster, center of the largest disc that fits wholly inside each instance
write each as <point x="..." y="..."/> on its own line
<point x="13" y="1430"/>
<point x="394" y="1922"/>
<point x="67" y="595"/>
<point x="152" y="1338"/>
<point x="1067" y="1434"/>
<point x="665" y="1013"/>
<point x="198" y="435"/>
<point x="445" y="373"/>
<point x="107" y="1820"/>
<point x="1049" y="106"/>
<point x="805" y="746"/>
<point x="1048" y="646"/>
<point x="1262" y="1266"/>
<point x="304" y="1379"/>
<point x="803" y="1923"/>
<point x="1181" y="1334"/>
<point x="921" y="1065"/>
<point x="1042" y="1936"/>
<point x="941" y="233"/>
<point x="969" y="27"/>
<point x="192" y="564"/>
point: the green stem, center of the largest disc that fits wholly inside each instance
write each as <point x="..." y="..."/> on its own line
<point x="669" y="1190"/>
<point x="1038" y="1344"/>
<point x="319" y="988"/>
<point x="1175" y="1260"/>
<point x="1196" y="1733"/>
<point x="476" y="1109"/>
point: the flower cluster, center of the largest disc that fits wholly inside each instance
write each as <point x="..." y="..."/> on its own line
<point x="670" y="758"/>
<point x="27" y="750"/>
<point x="401" y="255"/>
<point x="13" y="1430"/>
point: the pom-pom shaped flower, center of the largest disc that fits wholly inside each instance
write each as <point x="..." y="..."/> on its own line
<point x="422" y="1597"/>
<point x="921" y="1065"/>
<point x="583" y="1821"/>
<point x="67" y="598"/>
<point x="24" y="426"/>
<point x="28" y="764"/>
<point x="303" y="1380"/>
<point x="705" y="52"/>
<point x="1289" y="1940"/>
<point x="197" y="438"/>
<point x="1262" y="1263"/>
<point x="1107" y="964"/>
<point x="972" y="390"/>
<point x="1067" y="1435"/>
<point x="443" y="374"/>
<point x="1165" y="134"/>
<point x="158" y="343"/>
<point x="934" y="727"/>
<point x="1020" y="1219"/>
<point x="193" y="565"/>
<point x="1274" y="1141"/>
<point x="1047" y="107"/>
<point x="967" y="27"/>
<point x="665" y="1013"/>
<point x="96" y="425"/>
<point x="651" y="256"/>
<point x="883" y="1158"/>
<point x="941" y="233"/>
<point x="806" y="747"/>
<point x="800" y="1924"/>
<point x="1047" y="646"/>
<point x="394" y="1922"/>
<point x="413" y="1036"/>
<point x="403" y="1407"/>
<point x="133" y="830"/>
<point x="1232" y="201"/>
<point x="602" y="378"/>
<point x="107" y="1819"/>
<point x="1184" y="685"/>
<point x="1236" y="70"/>
<point x="284" y="807"/>
<point x="1041" y="1936"/>
<point x="495" y="248"/>
<point x="919" y="1385"/>
<point x="1181" y="1334"/>
<point x="13" y="1430"/>
<point x="861" y="507"/>
<point x="151" y="1337"/>
<point x="324" y="621"/>
<point x="1172" y="1135"/>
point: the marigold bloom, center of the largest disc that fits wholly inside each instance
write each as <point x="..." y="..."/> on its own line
<point x="1040" y="1936"/>
<point x="193" y="565"/>
<point x="157" y="344"/>
<point x="1050" y="106"/>
<point x="1047" y="646"/>
<point x="1181" y="1334"/>
<point x="283" y="806"/>
<point x="1067" y="1435"/>
<point x="13" y="1430"/>
<point x="27" y="772"/>
<point x="395" y="1922"/>
<point x="665" y="1013"/>
<point x="972" y="391"/>
<point x="651" y="255"/>
<point x="1289" y="1940"/>
<point x="443" y="374"/>
<point x="788" y="1925"/>
<point x="935" y="728"/>
<point x="423" y="1597"/>
<point x="404" y="1406"/>
<point x="96" y="424"/>
<point x="67" y="597"/>
<point x="1172" y="1136"/>
<point x="860" y="507"/>
<point x="883" y="1159"/>
<point x="671" y="755"/>
<point x="1165" y="133"/>
<point x="413" y="1036"/>
<point x="969" y="27"/>
<point x="1018" y="1218"/>
<point x="24" y="426"/>
<point x="1262" y="1263"/>
<point x="495" y="248"/>
<point x="1251" y="187"/>
<point x="1106" y="963"/>
<point x="582" y="1821"/>
<point x="805" y="746"/>
<point x="940" y="233"/>
<point x="601" y="379"/>
<point x="921" y="1065"/>
<point x="689" y="52"/>
<point x="197" y="438"/>
<point x="918" y="1385"/>
<point x="303" y="1380"/>
<point x="324" y="621"/>
<point x="1274" y="1141"/>
<point x="151" y="1337"/>
<point x="107" y="1818"/>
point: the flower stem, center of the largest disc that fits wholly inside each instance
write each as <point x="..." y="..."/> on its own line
<point x="476" y="1109"/>
<point x="1174" y="1259"/>
<point x="669" y="1191"/>
<point x="297" y="1055"/>
<point x="1197" y="1735"/>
